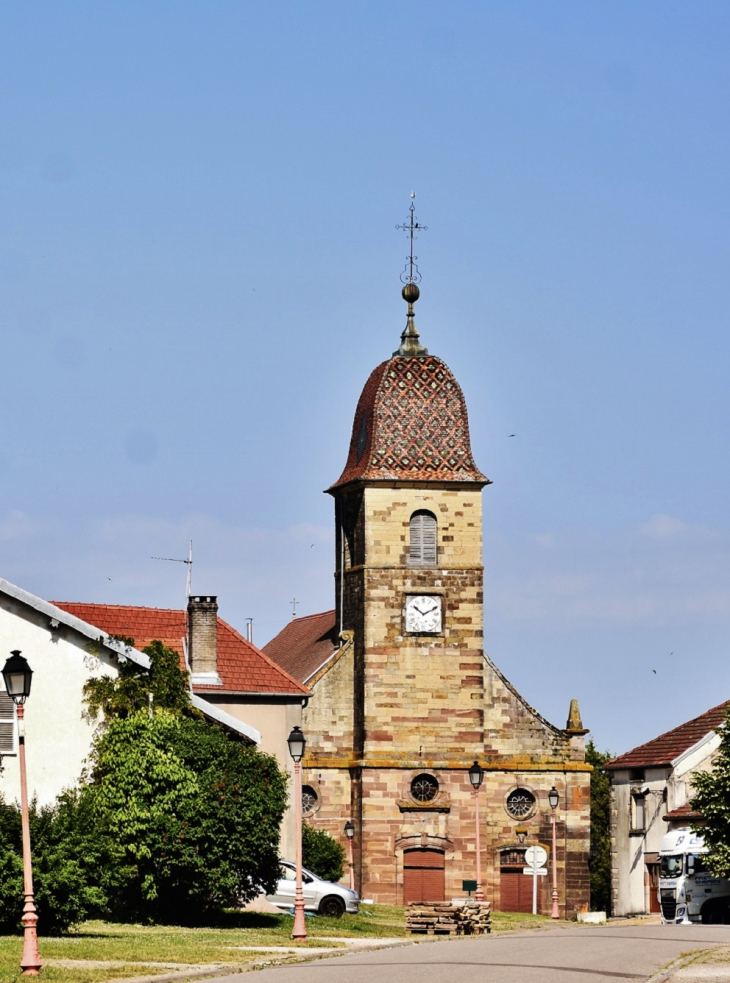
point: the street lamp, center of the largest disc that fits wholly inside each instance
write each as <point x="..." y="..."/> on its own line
<point x="18" y="675"/>
<point x="554" y="799"/>
<point x="476" y="777"/>
<point x="349" y="833"/>
<point x="297" y="744"/>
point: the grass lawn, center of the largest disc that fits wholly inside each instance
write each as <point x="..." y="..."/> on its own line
<point x="128" y="946"/>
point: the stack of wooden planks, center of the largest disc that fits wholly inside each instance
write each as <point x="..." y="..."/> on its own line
<point x="445" y="918"/>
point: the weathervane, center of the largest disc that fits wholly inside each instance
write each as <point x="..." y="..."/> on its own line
<point x="410" y="277"/>
<point x="410" y="274"/>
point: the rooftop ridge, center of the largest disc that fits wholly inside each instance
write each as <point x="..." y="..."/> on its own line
<point x="715" y="714"/>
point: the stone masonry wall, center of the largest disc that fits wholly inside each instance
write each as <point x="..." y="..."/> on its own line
<point x="432" y="703"/>
<point x="392" y="822"/>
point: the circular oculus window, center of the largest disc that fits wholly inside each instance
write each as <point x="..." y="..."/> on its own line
<point x="424" y="788"/>
<point x="309" y="799"/>
<point x="520" y="803"/>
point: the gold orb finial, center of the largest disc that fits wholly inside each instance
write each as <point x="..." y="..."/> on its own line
<point x="410" y="293"/>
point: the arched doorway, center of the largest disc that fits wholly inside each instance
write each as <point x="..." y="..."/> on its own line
<point x="423" y="876"/>
<point x="515" y="889"/>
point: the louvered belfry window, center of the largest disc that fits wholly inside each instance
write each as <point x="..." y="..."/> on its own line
<point x="7" y="724"/>
<point x="422" y="544"/>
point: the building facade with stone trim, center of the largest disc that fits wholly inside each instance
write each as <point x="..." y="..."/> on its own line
<point x="651" y="787"/>
<point x="404" y="698"/>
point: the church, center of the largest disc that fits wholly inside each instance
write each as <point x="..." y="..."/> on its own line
<point x="404" y="699"/>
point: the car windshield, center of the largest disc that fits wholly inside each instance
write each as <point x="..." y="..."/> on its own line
<point x="290" y="874"/>
<point x="671" y="866"/>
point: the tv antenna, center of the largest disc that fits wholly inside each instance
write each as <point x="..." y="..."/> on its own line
<point x="188" y="562"/>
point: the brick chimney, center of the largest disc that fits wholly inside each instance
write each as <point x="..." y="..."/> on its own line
<point x="203" y="639"/>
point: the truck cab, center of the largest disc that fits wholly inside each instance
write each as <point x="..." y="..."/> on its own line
<point x="688" y="892"/>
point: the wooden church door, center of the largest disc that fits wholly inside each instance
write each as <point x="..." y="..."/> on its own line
<point x="423" y="876"/>
<point x="515" y="889"/>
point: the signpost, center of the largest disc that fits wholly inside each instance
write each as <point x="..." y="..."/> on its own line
<point x="535" y="856"/>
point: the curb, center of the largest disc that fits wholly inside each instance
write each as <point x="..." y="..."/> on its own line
<point x="665" y="975"/>
<point x="287" y="959"/>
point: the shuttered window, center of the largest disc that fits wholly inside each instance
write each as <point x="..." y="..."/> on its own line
<point x="422" y="542"/>
<point x="7" y="724"/>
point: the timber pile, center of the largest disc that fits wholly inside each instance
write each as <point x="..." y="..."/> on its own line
<point x="445" y="918"/>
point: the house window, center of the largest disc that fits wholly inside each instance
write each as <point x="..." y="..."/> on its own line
<point x="638" y="813"/>
<point x="422" y="541"/>
<point x="8" y="728"/>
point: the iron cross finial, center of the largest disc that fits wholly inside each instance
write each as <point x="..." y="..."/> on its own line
<point x="410" y="273"/>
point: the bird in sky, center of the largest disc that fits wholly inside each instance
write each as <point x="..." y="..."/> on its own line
<point x="511" y="434"/>
<point x="654" y="671"/>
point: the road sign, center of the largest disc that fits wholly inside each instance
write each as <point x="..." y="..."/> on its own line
<point x="535" y="856"/>
<point x="537" y="871"/>
<point x="469" y="886"/>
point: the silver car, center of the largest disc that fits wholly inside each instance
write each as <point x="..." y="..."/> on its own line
<point x="324" y="897"/>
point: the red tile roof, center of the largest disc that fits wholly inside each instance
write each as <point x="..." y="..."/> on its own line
<point x="411" y="422"/>
<point x="304" y="644"/>
<point x="683" y="812"/>
<point x="665" y="748"/>
<point x="241" y="666"/>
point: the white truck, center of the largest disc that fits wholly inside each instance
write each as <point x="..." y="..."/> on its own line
<point x="688" y="892"/>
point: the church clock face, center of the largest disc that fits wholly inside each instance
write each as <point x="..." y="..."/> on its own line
<point x="423" y="614"/>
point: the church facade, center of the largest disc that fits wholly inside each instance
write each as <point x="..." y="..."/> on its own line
<point x="404" y="697"/>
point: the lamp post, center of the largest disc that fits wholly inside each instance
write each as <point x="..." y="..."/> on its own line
<point x="18" y="675"/>
<point x="554" y="799"/>
<point x="476" y="777"/>
<point x="349" y="833"/>
<point x="297" y="744"/>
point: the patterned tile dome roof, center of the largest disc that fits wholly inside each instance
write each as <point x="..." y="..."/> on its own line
<point x="411" y="424"/>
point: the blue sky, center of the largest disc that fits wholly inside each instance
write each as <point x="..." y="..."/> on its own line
<point x="199" y="268"/>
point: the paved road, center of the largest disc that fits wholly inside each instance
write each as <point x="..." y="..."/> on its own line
<point x="574" y="955"/>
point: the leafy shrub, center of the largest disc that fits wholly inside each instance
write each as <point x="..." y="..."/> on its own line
<point x="599" y="863"/>
<point x="195" y="816"/>
<point x="65" y="855"/>
<point x="174" y="819"/>
<point x="321" y="854"/>
<point x="712" y="799"/>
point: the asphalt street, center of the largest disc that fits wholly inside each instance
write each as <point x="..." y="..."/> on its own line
<point x="574" y="955"/>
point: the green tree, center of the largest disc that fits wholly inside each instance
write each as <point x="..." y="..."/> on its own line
<point x="129" y="692"/>
<point x="322" y="854"/>
<point x="599" y="862"/>
<point x="66" y="855"/>
<point x="194" y="813"/>
<point x="712" y="799"/>
<point x="174" y="817"/>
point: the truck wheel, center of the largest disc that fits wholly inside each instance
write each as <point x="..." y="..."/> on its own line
<point x="716" y="913"/>
<point x="332" y="906"/>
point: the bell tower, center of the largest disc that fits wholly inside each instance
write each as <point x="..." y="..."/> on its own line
<point x="409" y="562"/>
<point x="409" y="700"/>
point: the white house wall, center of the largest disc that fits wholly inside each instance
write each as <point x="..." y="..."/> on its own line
<point x="57" y="735"/>
<point x="627" y="847"/>
<point x="669" y="788"/>
<point x="697" y="758"/>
